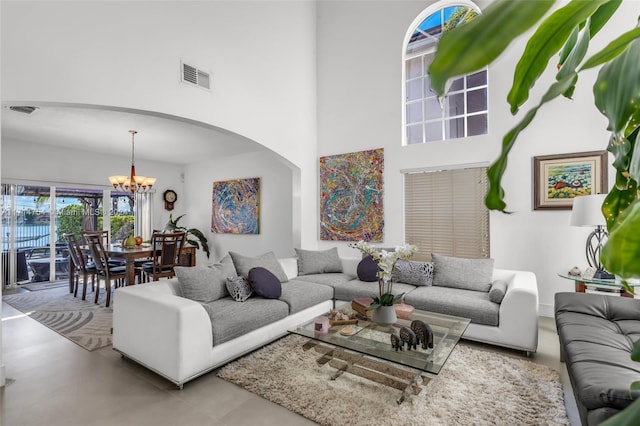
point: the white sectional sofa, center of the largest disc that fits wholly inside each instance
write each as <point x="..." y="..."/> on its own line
<point x="154" y="325"/>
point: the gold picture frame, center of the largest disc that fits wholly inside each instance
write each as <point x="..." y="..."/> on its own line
<point x="558" y="179"/>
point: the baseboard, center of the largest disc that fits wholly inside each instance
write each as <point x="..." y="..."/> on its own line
<point x="545" y="310"/>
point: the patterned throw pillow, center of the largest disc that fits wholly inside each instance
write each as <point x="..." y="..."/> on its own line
<point x="413" y="272"/>
<point x="239" y="288"/>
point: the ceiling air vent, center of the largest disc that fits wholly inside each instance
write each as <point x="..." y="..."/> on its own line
<point x="193" y="75"/>
<point x="23" y="109"/>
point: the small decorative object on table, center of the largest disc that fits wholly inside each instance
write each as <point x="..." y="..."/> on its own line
<point x="575" y="271"/>
<point x="361" y="304"/>
<point x="396" y="343"/>
<point x="409" y="337"/>
<point x="403" y="311"/>
<point x="321" y="325"/>
<point x="341" y="318"/>
<point x="385" y="261"/>
<point x="424" y="334"/>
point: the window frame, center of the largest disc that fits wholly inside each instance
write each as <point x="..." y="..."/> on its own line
<point x="445" y="120"/>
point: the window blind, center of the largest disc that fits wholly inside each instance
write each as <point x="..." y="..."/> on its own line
<point x="445" y="213"/>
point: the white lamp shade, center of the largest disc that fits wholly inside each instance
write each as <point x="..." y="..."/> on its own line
<point x="587" y="210"/>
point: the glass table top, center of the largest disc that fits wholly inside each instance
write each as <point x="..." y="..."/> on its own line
<point x="598" y="281"/>
<point x="374" y="340"/>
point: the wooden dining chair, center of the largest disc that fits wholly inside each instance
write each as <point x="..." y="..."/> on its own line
<point x="105" y="242"/>
<point x="105" y="270"/>
<point x="81" y="266"/>
<point x="166" y="255"/>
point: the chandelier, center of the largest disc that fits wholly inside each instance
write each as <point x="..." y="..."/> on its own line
<point x="132" y="183"/>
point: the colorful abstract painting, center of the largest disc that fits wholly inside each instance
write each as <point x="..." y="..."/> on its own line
<point x="351" y="195"/>
<point x="236" y="207"/>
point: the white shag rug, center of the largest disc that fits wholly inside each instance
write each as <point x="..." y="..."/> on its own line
<point x="474" y="388"/>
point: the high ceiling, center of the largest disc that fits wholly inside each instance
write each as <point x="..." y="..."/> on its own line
<point x="159" y="138"/>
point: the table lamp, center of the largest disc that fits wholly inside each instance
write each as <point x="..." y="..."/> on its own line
<point x="587" y="211"/>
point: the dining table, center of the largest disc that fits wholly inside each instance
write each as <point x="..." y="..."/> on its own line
<point x="131" y="254"/>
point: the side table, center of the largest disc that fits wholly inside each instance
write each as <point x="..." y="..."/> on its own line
<point x="582" y="283"/>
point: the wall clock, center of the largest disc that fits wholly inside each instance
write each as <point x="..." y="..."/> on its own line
<point x="169" y="196"/>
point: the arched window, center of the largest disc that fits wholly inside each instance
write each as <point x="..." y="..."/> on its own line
<point x="464" y="111"/>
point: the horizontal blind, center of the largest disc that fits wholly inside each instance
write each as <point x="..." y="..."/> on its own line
<point x="445" y="213"/>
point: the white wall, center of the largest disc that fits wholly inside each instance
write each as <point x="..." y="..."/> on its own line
<point x="276" y="204"/>
<point x="360" y="104"/>
<point x="261" y="55"/>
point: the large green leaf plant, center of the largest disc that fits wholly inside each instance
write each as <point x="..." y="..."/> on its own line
<point x="565" y="32"/>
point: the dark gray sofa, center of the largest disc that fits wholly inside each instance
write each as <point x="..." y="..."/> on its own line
<point x="596" y="335"/>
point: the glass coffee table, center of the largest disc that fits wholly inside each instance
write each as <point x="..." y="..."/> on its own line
<point x="368" y="352"/>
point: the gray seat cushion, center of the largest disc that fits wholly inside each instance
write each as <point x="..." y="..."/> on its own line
<point x="300" y="295"/>
<point x="355" y="288"/>
<point x="231" y="319"/>
<point x="330" y="279"/>
<point x="474" y="305"/>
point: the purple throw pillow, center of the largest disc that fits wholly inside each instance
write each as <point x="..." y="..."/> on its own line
<point x="264" y="283"/>
<point x="367" y="269"/>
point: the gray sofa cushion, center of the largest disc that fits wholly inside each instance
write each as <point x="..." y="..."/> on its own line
<point x="468" y="274"/>
<point x="498" y="290"/>
<point x="244" y="264"/>
<point x="300" y="295"/>
<point x="226" y="266"/>
<point x="230" y="319"/>
<point x="327" y="279"/>
<point x="318" y="261"/>
<point x="355" y="288"/>
<point x="474" y="305"/>
<point x="596" y="336"/>
<point x="412" y="272"/>
<point x="202" y="283"/>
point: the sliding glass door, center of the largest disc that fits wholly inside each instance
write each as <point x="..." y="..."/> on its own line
<point x="35" y="219"/>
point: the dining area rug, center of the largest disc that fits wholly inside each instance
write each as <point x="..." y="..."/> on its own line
<point x="475" y="387"/>
<point x="81" y="321"/>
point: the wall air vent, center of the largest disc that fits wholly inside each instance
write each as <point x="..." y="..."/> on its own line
<point x="23" y="109"/>
<point x="193" y="75"/>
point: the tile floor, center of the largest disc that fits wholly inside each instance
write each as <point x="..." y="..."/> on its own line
<point x="52" y="381"/>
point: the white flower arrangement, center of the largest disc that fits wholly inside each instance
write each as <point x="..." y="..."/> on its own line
<point x="385" y="261"/>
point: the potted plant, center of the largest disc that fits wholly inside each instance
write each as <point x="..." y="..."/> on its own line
<point x="382" y="305"/>
<point x="567" y="31"/>
<point x="201" y="242"/>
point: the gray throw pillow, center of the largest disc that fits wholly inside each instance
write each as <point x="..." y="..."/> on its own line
<point x="318" y="261"/>
<point x="498" y="290"/>
<point x="468" y="274"/>
<point x="201" y="283"/>
<point x="226" y="266"/>
<point x="267" y="260"/>
<point x="239" y="288"/>
<point x="412" y="272"/>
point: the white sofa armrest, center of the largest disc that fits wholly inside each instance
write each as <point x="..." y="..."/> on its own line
<point x="519" y="308"/>
<point x="170" y="333"/>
